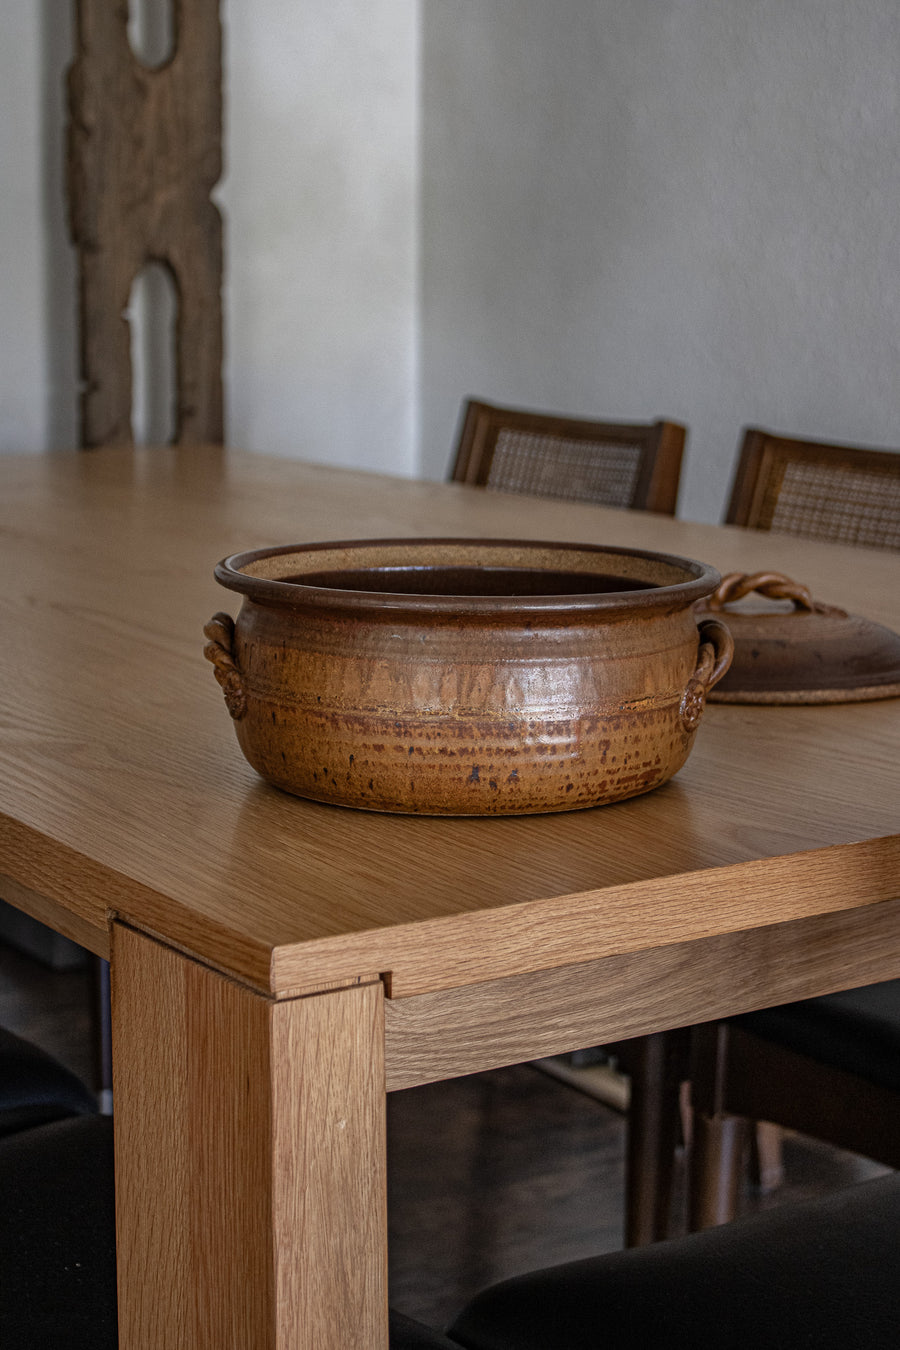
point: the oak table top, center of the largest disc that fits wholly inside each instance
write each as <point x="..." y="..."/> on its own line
<point x="123" y="790"/>
<point x="277" y="964"/>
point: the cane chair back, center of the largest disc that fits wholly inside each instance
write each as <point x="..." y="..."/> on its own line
<point x="840" y="493"/>
<point x="627" y="465"/>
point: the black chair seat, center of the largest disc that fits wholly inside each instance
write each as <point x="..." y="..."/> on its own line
<point x="58" y="1237"/>
<point x="824" y="1274"/>
<point x="406" y="1334"/>
<point x="35" y="1088"/>
<point x="857" y="1031"/>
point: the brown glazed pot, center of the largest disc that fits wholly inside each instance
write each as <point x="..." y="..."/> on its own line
<point x="466" y="677"/>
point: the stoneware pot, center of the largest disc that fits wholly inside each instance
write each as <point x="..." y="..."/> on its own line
<point x="466" y="677"/>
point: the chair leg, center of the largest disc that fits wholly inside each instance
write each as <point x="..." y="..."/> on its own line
<point x="656" y="1065"/>
<point x="102" y="1036"/>
<point x="686" y="1112"/>
<point x="766" y="1164"/>
<point x="715" y="1169"/>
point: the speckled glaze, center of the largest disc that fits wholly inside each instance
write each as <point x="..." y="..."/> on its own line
<point x="465" y="704"/>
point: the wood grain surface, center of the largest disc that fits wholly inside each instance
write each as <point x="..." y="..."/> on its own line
<point x="250" y="1160"/>
<point x="123" y="790"/>
<point x="450" y="1032"/>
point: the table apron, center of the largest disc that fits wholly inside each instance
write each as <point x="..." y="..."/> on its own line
<point x="450" y="1032"/>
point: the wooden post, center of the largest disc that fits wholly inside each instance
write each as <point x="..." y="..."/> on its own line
<point x="250" y="1160"/>
<point x="144" y="153"/>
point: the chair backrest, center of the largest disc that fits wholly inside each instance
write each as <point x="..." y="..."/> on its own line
<point x="548" y="455"/>
<point x="836" y="492"/>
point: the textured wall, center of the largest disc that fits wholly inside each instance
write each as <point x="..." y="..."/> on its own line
<point x="682" y="207"/>
<point x="320" y="204"/>
<point x="23" y="373"/>
<point x="668" y="207"/>
<point x="320" y="197"/>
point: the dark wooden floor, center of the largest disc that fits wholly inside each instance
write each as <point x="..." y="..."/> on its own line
<point x="489" y="1175"/>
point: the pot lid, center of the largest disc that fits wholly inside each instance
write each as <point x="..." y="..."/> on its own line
<point x="790" y="648"/>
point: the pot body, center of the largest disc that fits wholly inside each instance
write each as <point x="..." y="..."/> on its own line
<point x="496" y="711"/>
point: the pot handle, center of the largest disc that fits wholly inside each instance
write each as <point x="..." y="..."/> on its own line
<point x="220" y="650"/>
<point x="774" y="585"/>
<point x="713" y="660"/>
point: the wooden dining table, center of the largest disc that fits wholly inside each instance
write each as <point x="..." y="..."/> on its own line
<point x="278" y="965"/>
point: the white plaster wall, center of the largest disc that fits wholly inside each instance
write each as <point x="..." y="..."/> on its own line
<point x="320" y="198"/>
<point x="687" y="208"/>
<point x="23" y="370"/>
<point x="677" y="207"/>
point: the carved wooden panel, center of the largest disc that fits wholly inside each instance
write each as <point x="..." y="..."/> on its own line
<point x="144" y="153"/>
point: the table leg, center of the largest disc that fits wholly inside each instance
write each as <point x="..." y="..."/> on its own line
<point x="250" y="1160"/>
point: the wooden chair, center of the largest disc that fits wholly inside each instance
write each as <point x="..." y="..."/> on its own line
<point x="828" y="1067"/>
<point x="835" y="492"/>
<point x="628" y="465"/>
<point x="635" y="466"/>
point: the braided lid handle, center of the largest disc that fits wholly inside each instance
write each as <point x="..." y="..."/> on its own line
<point x="774" y="586"/>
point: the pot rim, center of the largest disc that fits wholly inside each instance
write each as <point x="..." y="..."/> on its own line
<point x="700" y="580"/>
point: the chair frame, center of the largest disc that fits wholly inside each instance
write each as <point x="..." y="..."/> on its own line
<point x="656" y="1064"/>
<point x="661" y="444"/>
<point x="760" y="469"/>
<point x="738" y="1078"/>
